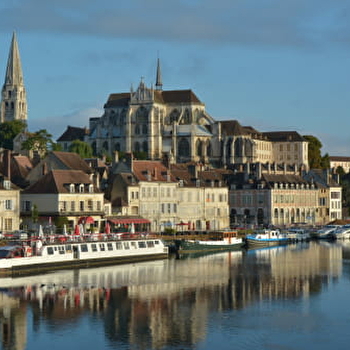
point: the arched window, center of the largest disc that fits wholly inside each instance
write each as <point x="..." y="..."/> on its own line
<point x="144" y="129"/>
<point x="93" y="146"/>
<point x="174" y="116"/>
<point x="137" y="129"/>
<point x="199" y="148"/>
<point x="142" y="115"/>
<point x="137" y="147"/>
<point x="105" y="145"/>
<point x="117" y="146"/>
<point x="184" y="148"/>
<point x="186" y="119"/>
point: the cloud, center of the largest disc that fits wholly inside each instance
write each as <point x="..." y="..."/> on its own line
<point x="56" y="125"/>
<point x="264" y="22"/>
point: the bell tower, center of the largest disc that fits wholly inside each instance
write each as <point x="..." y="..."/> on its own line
<point x="13" y="95"/>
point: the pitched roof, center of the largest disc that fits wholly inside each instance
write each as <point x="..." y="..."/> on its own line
<point x="339" y="159"/>
<point x="72" y="161"/>
<point x="282" y="136"/>
<point x="234" y="128"/>
<point x="73" y="133"/>
<point x="144" y="170"/>
<point x="55" y="181"/>
<point x="171" y="96"/>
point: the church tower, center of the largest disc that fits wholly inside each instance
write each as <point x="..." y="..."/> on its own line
<point x="13" y="95"/>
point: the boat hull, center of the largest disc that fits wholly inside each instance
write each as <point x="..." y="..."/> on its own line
<point x="252" y="242"/>
<point x="202" y="246"/>
<point x="82" y="255"/>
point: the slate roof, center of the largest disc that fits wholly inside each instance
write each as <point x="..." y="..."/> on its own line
<point x="56" y="181"/>
<point x="282" y="136"/>
<point x="73" y="133"/>
<point x="166" y="97"/>
<point x="234" y="128"/>
<point x="339" y="159"/>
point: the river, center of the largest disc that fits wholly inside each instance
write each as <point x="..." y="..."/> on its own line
<point x="292" y="297"/>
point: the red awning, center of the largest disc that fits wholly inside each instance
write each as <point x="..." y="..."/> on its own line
<point x="129" y="221"/>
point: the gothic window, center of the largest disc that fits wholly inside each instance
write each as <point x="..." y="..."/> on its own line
<point x="184" y="148"/>
<point x="174" y="116"/>
<point x="196" y="116"/>
<point x="144" y="129"/>
<point x="123" y="116"/>
<point x="186" y="119"/>
<point x="105" y="145"/>
<point x="137" y="129"/>
<point x="142" y="115"/>
<point x="209" y="149"/>
<point x="199" y="148"/>
<point x="137" y="147"/>
<point x="12" y="105"/>
<point x="145" y="146"/>
<point x="117" y="147"/>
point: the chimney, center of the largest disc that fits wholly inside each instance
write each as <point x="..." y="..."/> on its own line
<point x="7" y="163"/>
<point x="192" y="169"/>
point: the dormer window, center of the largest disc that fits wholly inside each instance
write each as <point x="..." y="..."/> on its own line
<point x="81" y="188"/>
<point x="7" y="184"/>
<point x="71" y="188"/>
<point x="91" y="188"/>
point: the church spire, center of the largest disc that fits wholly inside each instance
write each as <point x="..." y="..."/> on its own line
<point x="14" y="101"/>
<point x="159" y="83"/>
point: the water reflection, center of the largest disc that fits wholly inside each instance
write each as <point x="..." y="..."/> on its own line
<point x="166" y="303"/>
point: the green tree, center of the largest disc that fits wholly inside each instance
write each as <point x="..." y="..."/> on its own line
<point x="39" y="141"/>
<point x="82" y="148"/>
<point x="9" y="130"/>
<point x="314" y="151"/>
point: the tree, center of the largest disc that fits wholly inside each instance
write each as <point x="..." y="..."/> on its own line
<point x="82" y="148"/>
<point x="39" y="141"/>
<point x="314" y="151"/>
<point x="9" y="130"/>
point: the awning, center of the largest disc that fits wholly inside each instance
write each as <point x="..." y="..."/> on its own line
<point x="129" y="221"/>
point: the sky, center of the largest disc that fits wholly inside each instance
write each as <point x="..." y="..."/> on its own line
<point x="275" y="65"/>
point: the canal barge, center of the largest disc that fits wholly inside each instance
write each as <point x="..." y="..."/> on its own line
<point x="37" y="255"/>
<point x="266" y="238"/>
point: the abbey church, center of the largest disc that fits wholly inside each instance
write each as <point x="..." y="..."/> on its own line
<point x="175" y="124"/>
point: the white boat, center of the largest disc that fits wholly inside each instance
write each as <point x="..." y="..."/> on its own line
<point x="37" y="255"/>
<point x="266" y="238"/>
<point x="298" y="234"/>
<point x="342" y="232"/>
<point x="227" y="240"/>
<point x="325" y="232"/>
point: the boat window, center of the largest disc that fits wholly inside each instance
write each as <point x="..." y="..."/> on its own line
<point x="61" y="249"/>
<point x="156" y="242"/>
<point x="84" y="248"/>
<point x="126" y="245"/>
<point x="94" y="247"/>
<point x="119" y="245"/>
<point x="109" y="246"/>
<point x="150" y="244"/>
<point x="102" y="247"/>
<point x="142" y="244"/>
<point x="133" y="245"/>
<point x="50" y="250"/>
<point x="68" y="248"/>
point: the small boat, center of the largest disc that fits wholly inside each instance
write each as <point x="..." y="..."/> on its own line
<point x="297" y="234"/>
<point x="226" y="240"/>
<point x="326" y="232"/>
<point x="266" y="238"/>
<point x="57" y="252"/>
<point x="342" y="232"/>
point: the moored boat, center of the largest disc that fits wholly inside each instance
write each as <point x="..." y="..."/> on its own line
<point x="266" y="238"/>
<point x="342" y="232"/>
<point x="326" y="232"/>
<point x="38" y="254"/>
<point x="227" y="240"/>
<point x="297" y="234"/>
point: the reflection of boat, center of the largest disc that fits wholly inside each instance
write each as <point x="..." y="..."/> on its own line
<point x="34" y="256"/>
<point x="227" y="240"/>
<point x="265" y="238"/>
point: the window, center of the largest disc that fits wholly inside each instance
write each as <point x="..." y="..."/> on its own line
<point x="8" y="204"/>
<point x="72" y="206"/>
<point x="119" y="245"/>
<point x="91" y="188"/>
<point x="98" y="205"/>
<point x="90" y="205"/>
<point x="71" y="188"/>
<point x="102" y="247"/>
<point x="142" y="244"/>
<point x="109" y="246"/>
<point x="94" y="247"/>
<point x="84" y="248"/>
<point x="81" y="205"/>
<point x="8" y="224"/>
<point x="81" y="188"/>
